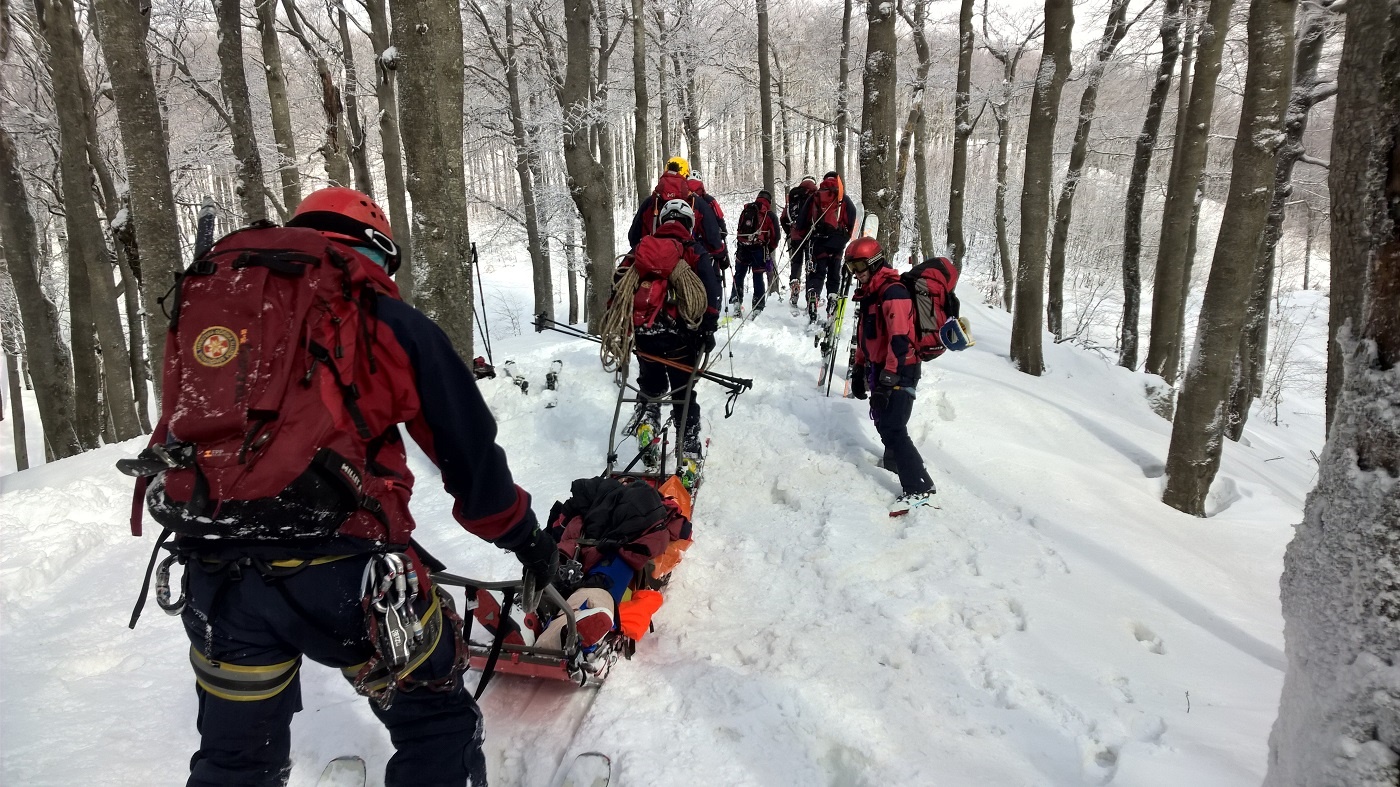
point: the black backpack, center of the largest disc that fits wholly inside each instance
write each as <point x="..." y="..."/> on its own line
<point x="751" y="225"/>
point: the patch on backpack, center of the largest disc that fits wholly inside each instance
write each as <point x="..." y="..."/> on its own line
<point x="215" y="346"/>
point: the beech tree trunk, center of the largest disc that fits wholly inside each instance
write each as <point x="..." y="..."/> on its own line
<point x="1137" y="184"/>
<point x="1188" y="161"/>
<point x="1249" y="378"/>
<point x="16" y="402"/>
<point x="428" y="36"/>
<point x="1026" y="326"/>
<point x="1114" y="30"/>
<point x="333" y="150"/>
<point x="1198" y="428"/>
<point x="878" y="123"/>
<point x="359" y="157"/>
<point x="641" y="120"/>
<point x="962" y="130"/>
<point x="281" y="110"/>
<point x="916" y="115"/>
<point x="50" y="365"/>
<point x="90" y="270"/>
<point x="765" y="97"/>
<point x="843" y="92"/>
<point x="124" y="28"/>
<point x="233" y="83"/>
<point x="1337" y="714"/>
<point x="588" y="182"/>
<point x="386" y="96"/>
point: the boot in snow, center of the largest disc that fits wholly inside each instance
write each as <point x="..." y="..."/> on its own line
<point x="911" y="500"/>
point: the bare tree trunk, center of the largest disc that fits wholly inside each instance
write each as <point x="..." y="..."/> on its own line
<point x="1336" y="722"/>
<point x="843" y="92"/>
<point x="359" y="158"/>
<point x="49" y="361"/>
<point x="603" y="82"/>
<point x="1026" y="325"/>
<point x="878" y="123"/>
<point x="333" y="150"/>
<point x="1188" y="161"/>
<point x="1198" y="428"/>
<point x="962" y="130"/>
<point x="386" y="95"/>
<point x="1008" y="276"/>
<point x="1137" y="183"/>
<point x="921" y="206"/>
<point x="1114" y="30"/>
<point x="1249" y="379"/>
<point x="16" y="403"/>
<point x="663" y="94"/>
<point x="428" y="37"/>
<point x="234" y="85"/>
<point x="587" y="181"/>
<point x="281" y="109"/>
<point x="690" y="110"/>
<point x="1348" y="182"/>
<point x="87" y="251"/>
<point x="765" y="97"/>
<point x="124" y="28"/>
<point x="641" y="129"/>
<point x="571" y="261"/>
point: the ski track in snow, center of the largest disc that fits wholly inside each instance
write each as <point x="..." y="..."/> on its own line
<point x="1041" y="628"/>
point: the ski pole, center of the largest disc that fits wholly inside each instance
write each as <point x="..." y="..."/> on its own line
<point x="732" y="383"/>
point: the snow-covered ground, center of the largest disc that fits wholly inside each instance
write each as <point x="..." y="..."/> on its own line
<point x="1051" y="624"/>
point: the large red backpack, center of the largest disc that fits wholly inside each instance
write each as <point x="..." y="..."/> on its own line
<point x="268" y="376"/>
<point x="829" y="204"/>
<point x="754" y="227"/>
<point x="670" y="186"/>
<point x="655" y="257"/>
<point x="930" y="284"/>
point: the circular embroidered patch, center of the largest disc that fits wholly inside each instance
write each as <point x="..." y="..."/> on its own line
<point x="216" y="346"/>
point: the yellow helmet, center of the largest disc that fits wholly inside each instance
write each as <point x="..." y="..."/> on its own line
<point x="679" y="165"/>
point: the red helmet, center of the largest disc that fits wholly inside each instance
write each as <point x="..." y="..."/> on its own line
<point x="864" y="254"/>
<point x="347" y="215"/>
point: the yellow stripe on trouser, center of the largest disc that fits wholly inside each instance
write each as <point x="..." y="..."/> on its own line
<point x="432" y="629"/>
<point x="242" y="684"/>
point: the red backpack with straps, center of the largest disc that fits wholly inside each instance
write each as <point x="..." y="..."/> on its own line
<point x="930" y="285"/>
<point x="268" y="379"/>
<point x="829" y="206"/>
<point x="655" y="257"/>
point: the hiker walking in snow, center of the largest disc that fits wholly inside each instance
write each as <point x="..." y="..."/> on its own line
<point x="798" y="251"/>
<point x="673" y="185"/>
<point x="827" y="222"/>
<point x="697" y="187"/>
<point x="758" y="239"/>
<point x="667" y="294"/>
<point x="279" y="467"/>
<point x="887" y="367"/>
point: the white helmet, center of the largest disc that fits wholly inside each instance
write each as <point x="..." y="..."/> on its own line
<point x="677" y="210"/>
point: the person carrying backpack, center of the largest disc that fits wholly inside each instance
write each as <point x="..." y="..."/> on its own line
<point x="758" y="239"/>
<point x="887" y="367"/>
<point x="797" y="197"/>
<point x="282" y="479"/>
<point x="671" y="295"/>
<point x="674" y="185"/>
<point x="828" y="221"/>
<point x="697" y="187"/>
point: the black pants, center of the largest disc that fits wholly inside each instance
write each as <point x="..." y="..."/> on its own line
<point x="753" y="258"/>
<point x="797" y="259"/>
<point x="892" y="423"/>
<point x="656" y="379"/>
<point x="253" y="632"/>
<point x="826" y="265"/>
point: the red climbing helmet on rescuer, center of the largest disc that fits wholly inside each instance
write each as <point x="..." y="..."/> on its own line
<point x="864" y="254"/>
<point x="347" y="215"/>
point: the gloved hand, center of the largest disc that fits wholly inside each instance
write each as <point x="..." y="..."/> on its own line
<point x="722" y="260"/>
<point x="705" y="343"/>
<point x="540" y="557"/>
<point x="884" y="388"/>
<point x="858" y="383"/>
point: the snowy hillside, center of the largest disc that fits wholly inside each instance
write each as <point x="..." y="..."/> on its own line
<point x="1051" y="624"/>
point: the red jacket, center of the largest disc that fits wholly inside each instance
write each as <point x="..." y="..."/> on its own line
<point x="887" y="339"/>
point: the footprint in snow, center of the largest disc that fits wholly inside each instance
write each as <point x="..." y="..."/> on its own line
<point x="945" y="407"/>
<point x="1148" y="640"/>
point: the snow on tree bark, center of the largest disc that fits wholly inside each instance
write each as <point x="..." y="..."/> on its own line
<point x="1026" y="325"/>
<point x="1339" y="715"/>
<point x="878" y="123"/>
<point x="641" y="122"/>
<point x="1198" y="427"/>
<point x="843" y="91"/>
<point x="1137" y="183"/>
<point x="962" y="130"/>
<point x="765" y="96"/>
<point x="391" y="147"/>
<point x="428" y="38"/>
<point x="233" y="83"/>
<point x="280" y="108"/>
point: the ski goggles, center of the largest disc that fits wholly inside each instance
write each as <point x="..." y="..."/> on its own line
<point x="863" y="264"/>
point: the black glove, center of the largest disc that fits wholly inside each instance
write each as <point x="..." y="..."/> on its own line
<point x="858" y="384"/>
<point x="722" y="260"/>
<point x="540" y="557"/>
<point x="705" y="343"/>
<point x="884" y="387"/>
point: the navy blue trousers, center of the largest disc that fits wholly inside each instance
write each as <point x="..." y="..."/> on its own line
<point x="437" y="735"/>
<point x="892" y="424"/>
<point x="656" y="379"/>
<point x="753" y="258"/>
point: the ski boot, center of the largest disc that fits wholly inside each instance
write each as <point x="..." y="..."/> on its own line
<point x="795" y="290"/>
<point x="649" y="437"/>
<point x="516" y="377"/>
<point x="551" y="384"/>
<point x="911" y="500"/>
<point x="692" y="459"/>
<point x="812" y="307"/>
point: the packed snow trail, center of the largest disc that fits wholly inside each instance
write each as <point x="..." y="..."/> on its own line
<point x="1044" y="627"/>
